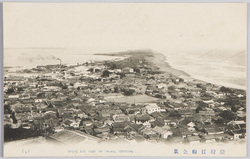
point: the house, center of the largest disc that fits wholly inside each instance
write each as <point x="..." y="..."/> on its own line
<point x="136" y="127"/>
<point x="207" y="113"/>
<point x="68" y="123"/>
<point x="237" y="122"/>
<point x="25" y="96"/>
<point x="209" y="138"/>
<point x="171" y="122"/>
<point x="96" y="69"/>
<point x="186" y="133"/>
<point x="38" y="100"/>
<point x="117" y="70"/>
<point x="162" y="115"/>
<point x="81" y="115"/>
<point x="51" y="89"/>
<point x="127" y="70"/>
<point x="238" y="134"/>
<point x="205" y="119"/>
<point x="241" y="114"/>
<point x="119" y="127"/>
<point x="108" y="122"/>
<point x="75" y="124"/>
<point x="87" y="123"/>
<point x="104" y="129"/>
<point x="161" y="85"/>
<point x="120" y="118"/>
<point x="186" y="78"/>
<point x="185" y="112"/>
<point x="240" y="96"/>
<point x="115" y="111"/>
<point x="57" y="102"/>
<point x="152" y="107"/>
<point x="163" y="132"/>
<point x="7" y="119"/>
<point x="223" y="136"/>
<point x="132" y="111"/>
<point x="147" y="132"/>
<point x="191" y="124"/>
<point x="215" y="130"/>
<point x="16" y="96"/>
<point x="104" y="113"/>
<point x="79" y="85"/>
<point x="160" y="95"/>
<point x="177" y="107"/>
<point x="23" y="109"/>
<point x="221" y="108"/>
<point x="193" y="139"/>
<point x="175" y="139"/>
<point x="143" y="119"/>
<point x="58" y="129"/>
<point x="168" y="96"/>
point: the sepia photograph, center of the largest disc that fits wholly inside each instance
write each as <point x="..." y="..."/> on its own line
<point x="125" y="79"/>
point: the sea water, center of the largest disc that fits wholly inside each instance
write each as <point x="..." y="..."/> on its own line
<point x="222" y="67"/>
<point x="30" y="58"/>
<point x="227" y="68"/>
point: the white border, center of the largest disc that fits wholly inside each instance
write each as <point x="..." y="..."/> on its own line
<point x="120" y="1"/>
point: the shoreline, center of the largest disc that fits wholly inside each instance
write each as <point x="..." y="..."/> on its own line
<point x="137" y="70"/>
<point x="160" y="60"/>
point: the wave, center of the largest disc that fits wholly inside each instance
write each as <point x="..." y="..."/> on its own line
<point x="227" y="68"/>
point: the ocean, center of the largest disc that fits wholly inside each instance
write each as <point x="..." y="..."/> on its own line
<point x="30" y="58"/>
<point x="227" y="68"/>
<point x="222" y="67"/>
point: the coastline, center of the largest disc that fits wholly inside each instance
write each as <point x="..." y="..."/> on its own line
<point x="153" y="63"/>
<point x="160" y="61"/>
<point x="207" y="79"/>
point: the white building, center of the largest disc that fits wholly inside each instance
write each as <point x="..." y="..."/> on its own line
<point x="152" y="107"/>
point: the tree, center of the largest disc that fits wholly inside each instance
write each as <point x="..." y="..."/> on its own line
<point x="57" y="114"/>
<point x="232" y="103"/>
<point x="128" y="92"/>
<point x="225" y="90"/>
<point x="13" y="116"/>
<point x="65" y="87"/>
<point x="171" y="87"/>
<point x="227" y="115"/>
<point x="137" y="70"/>
<point x="233" y="108"/>
<point x="105" y="73"/>
<point x="10" y="91"/>
<point x="7" y="109"/>
<point x="219" y="121"/>
<point x="174" y="114"/>
<point x="201" y="106"/>
<point x="198" y="109"/>
<point x="116" y="89"/>
<point x="121" y="75"/>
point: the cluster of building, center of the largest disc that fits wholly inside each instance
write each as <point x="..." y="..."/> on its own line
<point x="82" y="98"/>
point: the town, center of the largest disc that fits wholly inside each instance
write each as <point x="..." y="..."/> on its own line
<point x="120" y="101"/>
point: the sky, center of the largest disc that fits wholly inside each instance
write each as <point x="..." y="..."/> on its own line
<point x="109" y="27"/>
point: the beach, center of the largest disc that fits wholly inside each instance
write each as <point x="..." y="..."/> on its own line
<point x="231" y="73"/>
<point x="16" y="59"/>
<point x="212" y="67"/>
<point x="160" y="61"/>
<point x="146" y="88"/>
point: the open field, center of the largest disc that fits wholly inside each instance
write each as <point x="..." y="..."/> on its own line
<point x="130" y="99"/>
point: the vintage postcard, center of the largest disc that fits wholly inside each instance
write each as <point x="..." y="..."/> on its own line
<point x="125" y="79"/>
